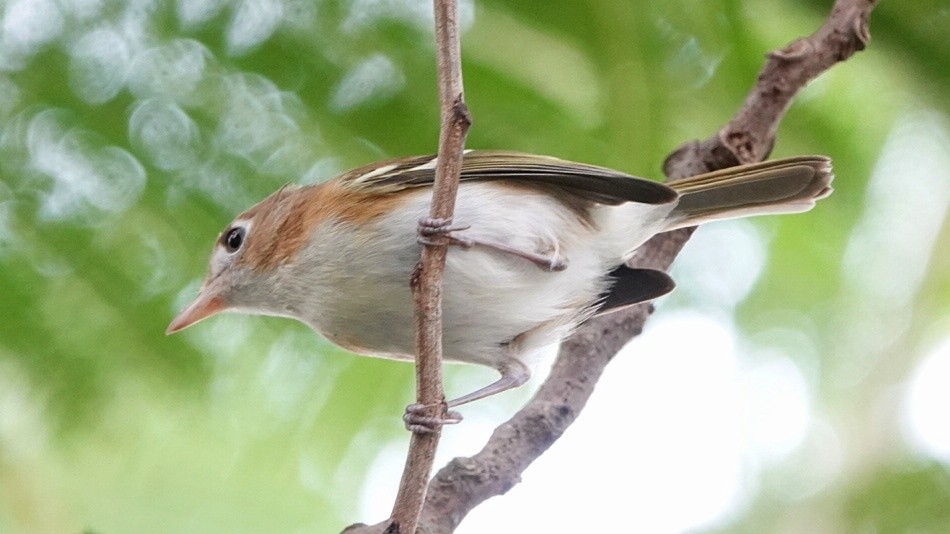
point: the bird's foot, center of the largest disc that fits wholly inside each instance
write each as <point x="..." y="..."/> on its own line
<point x="436" y="231"/>
<point x="419" y="419"/>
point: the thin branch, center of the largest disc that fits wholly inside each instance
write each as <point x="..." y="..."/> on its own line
<point x="427" y="279"/>
<point x="466" y="482"/>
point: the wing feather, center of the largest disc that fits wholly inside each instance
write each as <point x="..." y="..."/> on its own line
<point x="598" y="184"/>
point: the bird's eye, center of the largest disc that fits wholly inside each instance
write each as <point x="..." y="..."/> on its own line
<point x="233" y="239"/>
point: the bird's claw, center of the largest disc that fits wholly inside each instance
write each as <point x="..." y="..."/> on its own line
<point x="432" y="226"/>
<point x="418" y="420"/>
<point x="436" y="231"/>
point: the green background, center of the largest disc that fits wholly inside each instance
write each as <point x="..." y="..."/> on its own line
<point x="132" y="132"/>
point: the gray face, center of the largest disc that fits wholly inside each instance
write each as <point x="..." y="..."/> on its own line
<point x="241" y="287"/>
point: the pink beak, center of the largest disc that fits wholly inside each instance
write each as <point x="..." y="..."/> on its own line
<point x="205" y="305"/>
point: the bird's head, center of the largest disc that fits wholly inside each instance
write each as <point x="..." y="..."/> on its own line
<point x="243" y="271"/>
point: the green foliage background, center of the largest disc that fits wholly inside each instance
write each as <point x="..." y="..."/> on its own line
<point x="131" y="133"/>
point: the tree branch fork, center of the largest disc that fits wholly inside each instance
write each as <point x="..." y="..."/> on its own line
<point x="749" y="136"/>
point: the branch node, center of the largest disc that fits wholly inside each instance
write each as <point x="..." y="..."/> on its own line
<point x="793" y="51"/>
<point x="688" y="151"/>
<point x="861" y="30"/>
<point x="741" y="143"/>
<point x="460" y="114"/>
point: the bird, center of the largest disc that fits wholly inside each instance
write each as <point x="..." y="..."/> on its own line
<point x="539" y="246"/>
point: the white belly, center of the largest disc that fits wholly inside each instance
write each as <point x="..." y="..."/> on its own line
<point x="489" y="297"/>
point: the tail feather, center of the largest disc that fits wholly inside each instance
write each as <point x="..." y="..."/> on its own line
<point x="787" y="185"/>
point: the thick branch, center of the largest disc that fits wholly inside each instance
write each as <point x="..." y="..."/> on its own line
<point x="749" y="136"/>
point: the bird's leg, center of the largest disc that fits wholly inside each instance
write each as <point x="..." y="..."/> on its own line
<point x="513" y="374"/>
<point x="431" y="229"/>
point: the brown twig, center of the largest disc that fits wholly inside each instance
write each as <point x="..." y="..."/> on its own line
<point x="427" y="279"/>
<point x="749" y="136"/>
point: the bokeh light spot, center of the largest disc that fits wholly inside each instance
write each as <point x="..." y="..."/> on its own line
<point x="98" y="65"/>
<point x="172" y="70"/>
<point x="374" y="78"/>
<point x="165" y="132"/>
<point x="254" y="21"/>
<point x="926" y="403"/>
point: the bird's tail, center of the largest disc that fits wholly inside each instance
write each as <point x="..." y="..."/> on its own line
<point x="787" y="185"/>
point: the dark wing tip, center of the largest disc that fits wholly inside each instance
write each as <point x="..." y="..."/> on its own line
<point x="631" y="286"/>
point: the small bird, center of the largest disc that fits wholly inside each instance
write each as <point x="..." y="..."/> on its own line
<point x="540" y="247"/>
